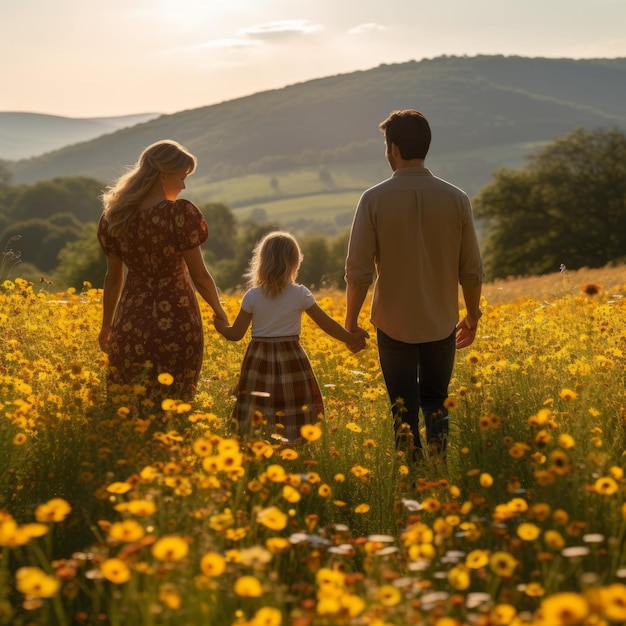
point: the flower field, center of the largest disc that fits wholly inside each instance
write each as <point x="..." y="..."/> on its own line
<point x="124" y="513"/>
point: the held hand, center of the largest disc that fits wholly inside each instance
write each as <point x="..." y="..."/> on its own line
<point x="220" y="324"/>
<point x="360" y="335"/>
<point x="361" y="331"/>
<point x="219" y="313"/>
<point x="465" y="334"/>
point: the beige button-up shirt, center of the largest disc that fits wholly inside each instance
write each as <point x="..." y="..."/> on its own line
<point x="414" y="234"/>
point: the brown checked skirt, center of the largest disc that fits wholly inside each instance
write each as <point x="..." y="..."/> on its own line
<point x="277" y="386"/>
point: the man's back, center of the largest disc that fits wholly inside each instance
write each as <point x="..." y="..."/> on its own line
<point x="416" y="232"/>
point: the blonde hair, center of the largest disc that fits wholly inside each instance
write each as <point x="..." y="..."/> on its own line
<point x="275" y="263"/>
<point x="122" y="198"/>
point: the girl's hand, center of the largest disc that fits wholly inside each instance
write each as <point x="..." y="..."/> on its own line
<point x="360" y="335"/>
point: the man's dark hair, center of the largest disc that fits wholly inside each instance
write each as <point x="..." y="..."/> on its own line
<point x="410" y="131"/>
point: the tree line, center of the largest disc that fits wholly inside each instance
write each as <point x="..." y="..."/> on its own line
<point x="48" y="233"/>
<point x="567" y="206"/>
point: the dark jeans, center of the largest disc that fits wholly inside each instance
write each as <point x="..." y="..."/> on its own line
<point x="417" y="375"/>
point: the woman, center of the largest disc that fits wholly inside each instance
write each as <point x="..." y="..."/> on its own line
<point x="151" y="323"/>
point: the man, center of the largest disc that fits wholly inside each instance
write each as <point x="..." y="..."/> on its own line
<point x="415" y="234"/>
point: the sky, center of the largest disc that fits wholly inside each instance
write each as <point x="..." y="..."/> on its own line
<point x="102" y="58"/>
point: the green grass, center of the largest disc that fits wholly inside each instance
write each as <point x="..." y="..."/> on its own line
<point x="300" y="199"/>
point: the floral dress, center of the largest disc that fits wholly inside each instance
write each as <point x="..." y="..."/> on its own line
<point x="157" y="327"/>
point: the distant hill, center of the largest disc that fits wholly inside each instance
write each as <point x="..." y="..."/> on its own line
<point x="24" y="135"/>
<point x="304" y="153"/>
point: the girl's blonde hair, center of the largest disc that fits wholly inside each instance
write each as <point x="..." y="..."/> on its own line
<point x="275" y="263"/>
<point x="122" y="198"/>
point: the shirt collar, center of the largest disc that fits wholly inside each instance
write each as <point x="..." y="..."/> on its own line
<point x="413" y="171"/>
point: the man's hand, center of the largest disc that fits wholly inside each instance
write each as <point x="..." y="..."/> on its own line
<point x="465" y="334"/>
<point x="360" y="335"/>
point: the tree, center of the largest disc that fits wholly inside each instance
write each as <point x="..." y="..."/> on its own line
<point x="81" y="260"/>
<point x="228" y="273"/>
<point x="315" y="264"/>
<point x="77" y="195"/>
<point x="567" y="206"/>
<point x="6" y="174"/>
<point x="222" y="231"/>
<point x="42" y="240"/>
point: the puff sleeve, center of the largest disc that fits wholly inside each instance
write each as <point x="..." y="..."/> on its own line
<point x="190" y="227"/>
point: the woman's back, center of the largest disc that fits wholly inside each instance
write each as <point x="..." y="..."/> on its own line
<point x="157" y="319"/>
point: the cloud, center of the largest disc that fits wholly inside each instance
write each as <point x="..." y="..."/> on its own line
<point x="363" y="29"/>
<point x="257" y="34"/>
<point x="282" y="28"/>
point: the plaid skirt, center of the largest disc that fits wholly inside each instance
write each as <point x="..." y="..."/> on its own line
<point x="277" y="386"/>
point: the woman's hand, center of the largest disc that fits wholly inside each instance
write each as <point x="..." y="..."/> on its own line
<point x="104" y="339"/>
<point x="220" y="324"/>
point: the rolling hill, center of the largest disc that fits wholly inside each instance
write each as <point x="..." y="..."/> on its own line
<point x="303" y="154"/>
<point x="24" y="135"/>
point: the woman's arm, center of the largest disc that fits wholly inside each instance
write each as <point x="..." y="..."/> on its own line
<point x="238" y="328"/>
<point x="113" y="283"/>
<point x="354" y="340"/>
<point x="203" y="281"/>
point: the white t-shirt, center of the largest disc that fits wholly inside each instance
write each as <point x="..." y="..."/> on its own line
<point x="280" y="316"/>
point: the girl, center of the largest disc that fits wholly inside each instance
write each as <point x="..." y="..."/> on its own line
<point x="277" y="379"/>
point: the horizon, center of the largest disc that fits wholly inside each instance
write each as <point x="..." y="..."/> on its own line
<point x="158" y="113"/>
<point x="143" y="56"/>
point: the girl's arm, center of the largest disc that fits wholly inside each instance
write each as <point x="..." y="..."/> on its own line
<point x="113" y="283"/>
<point x="355" y="341"/>
<point x="238" y="328"/>
<point x="203" y="281"/>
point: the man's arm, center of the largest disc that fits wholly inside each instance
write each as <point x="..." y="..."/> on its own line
<point x="466" y="328"/>
<point x="355" y="297"/>
<point x="360" y="265"/>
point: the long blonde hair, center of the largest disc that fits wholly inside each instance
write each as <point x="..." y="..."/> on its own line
<point x="275" y="263"/>
<point x="122" y="198"/>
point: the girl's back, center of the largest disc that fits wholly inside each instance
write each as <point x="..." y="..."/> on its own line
<point x="280" y="316"/>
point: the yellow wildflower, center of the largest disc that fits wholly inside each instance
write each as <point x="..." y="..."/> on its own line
<point x="127" y="530"/>
<point x="311" y="432"/>
<point x="165" y="379"/>
<point x="55" y="510"/>
<point x="606" y="486"/>
<point x="272" y="518"/>
<point x="564" y="608"/>
<point x="170" y="596"/>
<point x="267" y="616"/>
<point x="567" y="394"/>
<point x="115" y="571"/>
<point x="213" y="564"/>
<point x="248" y="587"/>
<point x="477" y="559"/>
<point x="459" y="577"/>
<point x="35" y="583"/>
<point x="170" y="548"/>
<point x="528" y="531"/>
<point x="503" y="564"/>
